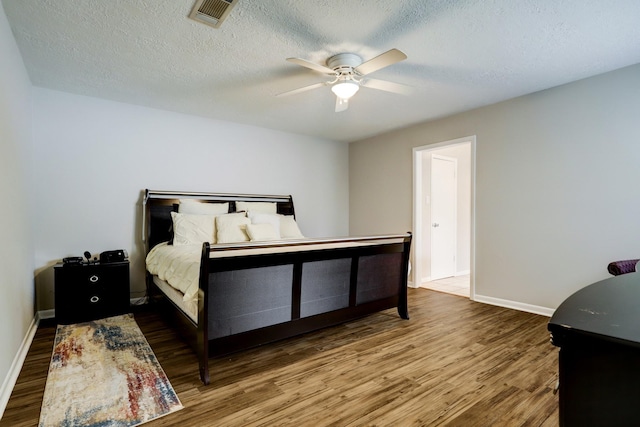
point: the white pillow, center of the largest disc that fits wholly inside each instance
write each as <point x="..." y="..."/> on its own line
<point x="232" y="228"/>
<point x="264" y="207"/>
<point x="289" y="228"/>
<point x="192" y="229"/>
<point x="265" y="218"/>
<point x="262" y="232"/>
<point x="190" y="206"/>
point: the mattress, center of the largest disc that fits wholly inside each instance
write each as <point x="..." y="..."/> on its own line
<point x="190" y="308"/>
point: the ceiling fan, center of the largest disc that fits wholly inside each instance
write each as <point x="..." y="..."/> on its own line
<point x="349" y="73"/>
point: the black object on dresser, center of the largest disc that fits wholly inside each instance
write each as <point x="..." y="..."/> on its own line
<point x="598" y="332"/>
<point x="89" y="291"/>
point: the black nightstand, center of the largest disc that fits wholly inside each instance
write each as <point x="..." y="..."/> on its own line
<point x="86" y="292"/>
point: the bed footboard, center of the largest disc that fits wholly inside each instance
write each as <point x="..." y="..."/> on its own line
<point x="256" y="298"/>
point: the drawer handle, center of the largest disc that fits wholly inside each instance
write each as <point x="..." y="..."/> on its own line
<point x="94" y="279"/>
<point x="94" y="298"/>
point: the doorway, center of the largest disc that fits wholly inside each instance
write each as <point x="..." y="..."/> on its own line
<point x="444" y="216"/>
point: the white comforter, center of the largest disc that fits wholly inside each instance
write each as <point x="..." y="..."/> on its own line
<point x="177" y="265"/>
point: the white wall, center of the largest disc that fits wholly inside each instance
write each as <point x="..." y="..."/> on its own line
<point x="93" y="158"/>
<point x="16" y="253"/>
<point x="555" y="190"/>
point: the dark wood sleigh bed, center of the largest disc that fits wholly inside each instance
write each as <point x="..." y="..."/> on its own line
<point x="259" y="292"/>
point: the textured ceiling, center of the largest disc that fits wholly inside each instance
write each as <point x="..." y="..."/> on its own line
<point x="462" y="54"/>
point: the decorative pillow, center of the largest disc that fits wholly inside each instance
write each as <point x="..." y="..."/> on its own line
<point x="289" y="228"/>
<point x="232" y="228"/>
<point x="264" y="207"/>
<point x="265" y="218"/>
<point x="262" y="232"/>
<point x="190" y="206"/>
<point x="192" y="229"/>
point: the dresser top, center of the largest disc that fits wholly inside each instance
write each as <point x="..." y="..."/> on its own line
<point x="609" y="309"/>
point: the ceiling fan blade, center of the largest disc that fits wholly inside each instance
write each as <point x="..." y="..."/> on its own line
<point x="311" y="65"/>
<point x="341" y="104"/>
<point x="387" y="86"/>
<point x="383" y="60"/>
<point x="302" y="89"/>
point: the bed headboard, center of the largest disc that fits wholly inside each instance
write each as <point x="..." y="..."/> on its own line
<point x="158" y="205"/>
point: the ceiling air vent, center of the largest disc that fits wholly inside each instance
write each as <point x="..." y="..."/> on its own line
<point x="212" y="12"/>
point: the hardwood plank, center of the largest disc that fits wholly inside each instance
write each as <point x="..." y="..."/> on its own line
<point x="454" y="363"/>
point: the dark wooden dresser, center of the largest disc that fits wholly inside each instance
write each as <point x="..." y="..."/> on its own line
<point x="598" y="332"/>
<point x="86" y="292"/>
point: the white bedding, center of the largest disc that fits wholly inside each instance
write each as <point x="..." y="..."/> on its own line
<point x="180" y="265"/>
<point x="177" y="265"/>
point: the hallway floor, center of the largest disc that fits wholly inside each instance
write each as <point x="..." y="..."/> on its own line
<point x="457" y="285"/>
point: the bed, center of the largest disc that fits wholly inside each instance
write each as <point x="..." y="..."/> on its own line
<point x="234" y="295"/>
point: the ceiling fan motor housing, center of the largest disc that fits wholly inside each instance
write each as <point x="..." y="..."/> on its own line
<point x="344" y="62"/>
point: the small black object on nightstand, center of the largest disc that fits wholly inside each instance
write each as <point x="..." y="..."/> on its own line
<point x="88" y="291"/>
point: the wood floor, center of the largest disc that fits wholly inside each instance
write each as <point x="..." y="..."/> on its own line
<point x="454" y="363"/>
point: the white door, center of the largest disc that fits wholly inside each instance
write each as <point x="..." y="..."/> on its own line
<point x="443" y="216"/>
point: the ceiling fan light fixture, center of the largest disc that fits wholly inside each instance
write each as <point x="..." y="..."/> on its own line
<point x="347" y="72"/>
<point x="345" y="90"/>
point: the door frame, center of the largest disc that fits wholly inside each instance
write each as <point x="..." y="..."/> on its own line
<point x="418" y="195"/>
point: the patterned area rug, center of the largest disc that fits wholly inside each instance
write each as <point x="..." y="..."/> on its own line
<point x="103" y="373"/>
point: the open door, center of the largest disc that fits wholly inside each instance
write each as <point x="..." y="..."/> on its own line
<point x="443" y="204"/>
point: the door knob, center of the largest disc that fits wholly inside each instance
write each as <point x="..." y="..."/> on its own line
<point x="435" y="224"/>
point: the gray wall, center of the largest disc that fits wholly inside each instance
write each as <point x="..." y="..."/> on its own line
<point x="556" y="173"/>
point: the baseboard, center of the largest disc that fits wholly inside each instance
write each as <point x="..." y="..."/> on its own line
<point x="16" y="366"/>
<point x="138" y="301"/>
<point x="46" y="314"/>
<point x="543" y="311"/>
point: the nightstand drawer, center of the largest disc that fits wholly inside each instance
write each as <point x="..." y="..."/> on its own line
<point x="86" y="292"/>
